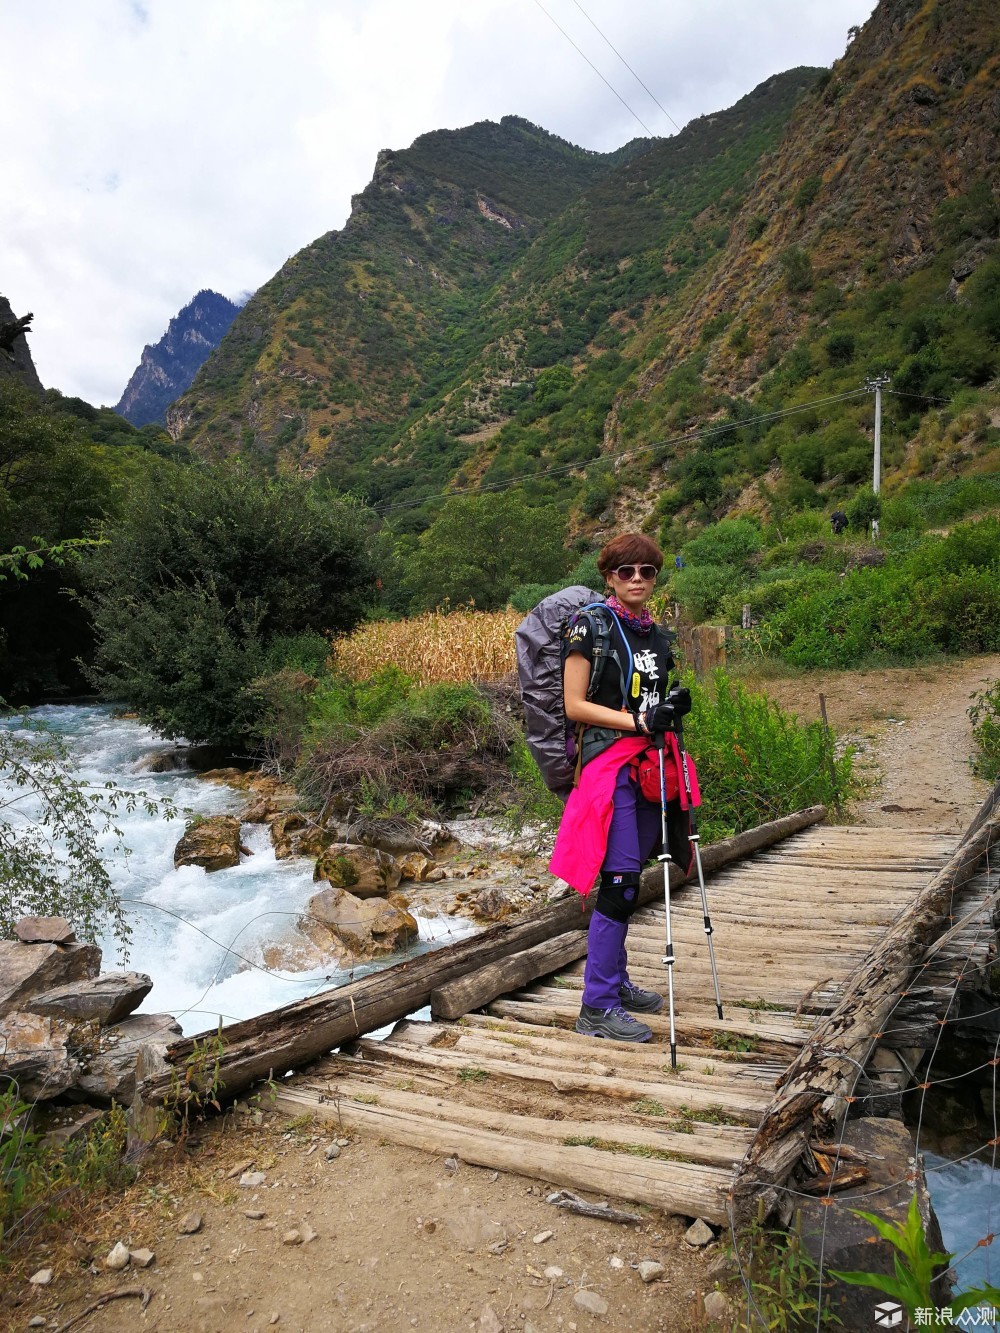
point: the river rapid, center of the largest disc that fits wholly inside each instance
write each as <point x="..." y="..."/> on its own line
<point x="199" y="936"/>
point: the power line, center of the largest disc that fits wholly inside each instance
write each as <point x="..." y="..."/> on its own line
<point x="627" y="66"/>
<point x="621" y="99"/>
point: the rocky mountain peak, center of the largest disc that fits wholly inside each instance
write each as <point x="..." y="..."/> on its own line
<point x="166" y="370"/>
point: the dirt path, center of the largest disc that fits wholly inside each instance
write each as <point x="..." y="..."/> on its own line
<point x="391" y="1239"/>
<point x="912" y="732"/>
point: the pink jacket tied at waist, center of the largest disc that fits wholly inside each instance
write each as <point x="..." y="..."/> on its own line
<point x="583" y="831"/>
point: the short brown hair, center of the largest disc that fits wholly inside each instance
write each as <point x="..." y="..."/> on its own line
<point x="631" y="548"/>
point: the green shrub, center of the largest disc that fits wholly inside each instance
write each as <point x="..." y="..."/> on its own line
<point x="755" y="762"/>
<point x="984" y="713"/>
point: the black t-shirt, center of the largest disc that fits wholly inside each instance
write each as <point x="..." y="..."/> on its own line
<point x="652" y="660"/>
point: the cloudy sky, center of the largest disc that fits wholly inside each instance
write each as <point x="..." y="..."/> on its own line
<point x="155" y="147"/>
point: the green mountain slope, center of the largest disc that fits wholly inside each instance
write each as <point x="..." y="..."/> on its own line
<point x="504" y="309"/>
<point x="358" y="327"/>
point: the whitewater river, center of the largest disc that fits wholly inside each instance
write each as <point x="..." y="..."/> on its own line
<point x="199" y="936"/>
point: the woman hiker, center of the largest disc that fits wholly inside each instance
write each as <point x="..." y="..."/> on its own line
<point x="608" y="825"/>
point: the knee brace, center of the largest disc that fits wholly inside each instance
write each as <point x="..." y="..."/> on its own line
<point x="618" y="896"/>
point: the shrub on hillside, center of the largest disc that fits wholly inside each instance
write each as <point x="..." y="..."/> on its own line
<point x="194" y="587"/>
<point x="757" y="763"/>
<point x="984" y="713"/>
<point x="436" y="749"/>
<point x="941" y="595"/>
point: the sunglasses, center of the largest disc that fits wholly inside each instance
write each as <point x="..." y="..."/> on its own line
<point x="627" y="572"/>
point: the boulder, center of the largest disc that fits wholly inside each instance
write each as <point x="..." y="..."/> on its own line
<point x="283" y="824"/>
<point x="366" y="871"/>
<point x="415" y="865"/>
<point x="336" y="920"/>
<point x="110" y="1072"/>
<point x="163" y="761"/>
<point x="493" y="904"/>
<point x="213" y="843"/>
<point x="29" y="969"/>
<point x="105" y="999"/>
<point x="37" y="1054"/>
<point x="44" y="930"/>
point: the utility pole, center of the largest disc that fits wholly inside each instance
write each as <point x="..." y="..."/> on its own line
<point x="875" y="385"/>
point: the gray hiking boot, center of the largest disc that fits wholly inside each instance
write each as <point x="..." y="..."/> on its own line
<point x="616" y="1024"/>
<point x="639" y="1001"/>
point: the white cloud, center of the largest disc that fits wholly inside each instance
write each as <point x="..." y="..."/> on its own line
<point x="166" y="145"/>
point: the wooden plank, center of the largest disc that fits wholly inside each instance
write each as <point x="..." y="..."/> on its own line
<point x="297" y="1033"/>
<point x="477" y="988"/>
<point x="691" y="1189"/>
<point x="745" y="1105"/>
<point x="713" y="1145"/>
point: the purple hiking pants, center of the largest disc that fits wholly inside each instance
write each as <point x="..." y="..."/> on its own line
<point x="635" y="828"/>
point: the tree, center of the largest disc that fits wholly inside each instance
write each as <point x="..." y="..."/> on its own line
<point x="481" y="547"/>
<point x="192" y="588"/>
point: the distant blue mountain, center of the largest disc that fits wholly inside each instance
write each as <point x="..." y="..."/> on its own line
<point x="166" y="370"/>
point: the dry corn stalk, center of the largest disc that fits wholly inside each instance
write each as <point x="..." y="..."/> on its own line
<point x="460" y="646"/>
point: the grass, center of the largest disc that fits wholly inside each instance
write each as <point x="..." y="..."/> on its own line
<point x="730" y="1041"/>
<point x="631" y="1149"/>
<point x="473" y="1074"/>
<point x="647" y="1106"/>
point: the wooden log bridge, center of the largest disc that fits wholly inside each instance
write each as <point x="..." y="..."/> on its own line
<point x="830" y="942"/>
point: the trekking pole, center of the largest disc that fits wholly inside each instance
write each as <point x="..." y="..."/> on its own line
<point x="695" y="841"/>
<point x="660" y="741"/>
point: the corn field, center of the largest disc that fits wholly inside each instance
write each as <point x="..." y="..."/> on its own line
<point x="432" y="648"/>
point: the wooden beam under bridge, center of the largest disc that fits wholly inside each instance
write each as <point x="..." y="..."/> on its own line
<point x="296" y="1034"/>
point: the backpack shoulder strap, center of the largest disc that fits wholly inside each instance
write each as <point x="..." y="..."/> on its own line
<point x="602" y="620"/>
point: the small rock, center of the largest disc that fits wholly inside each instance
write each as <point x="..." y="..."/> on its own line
<point x="308" y="1233"/>
<point x="274" y="1318"/>
<point x="699" y="1233"/>
<point x="716" y="1306"/>
<point x="189" y="1224"/>
<point x="37" y="1322"/>
<point x="42" y="1278"/>
<point x="141" y="1258"/>
<point x="197" y="1277"/>
<point x="252" y="1180"/>
<point x="590" y="1301"/>
<point x="615" y="1262"/>
<point x="44" y="930"/>
<point x="332" y="1151"/>
<point x="254" y="1214"/>
<point x="451" y="1163"/>
<point x="292" y="1237"/>
<point x="553" y="1273"/>
<point x="542" y="1237"/>
<point x="489" y="1321"/>
<point x="650" y="1270"/>
<point x="118" y="1258"/>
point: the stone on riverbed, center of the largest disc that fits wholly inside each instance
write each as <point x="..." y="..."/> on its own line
<point x="367" y="928"/>
<point x="213" y="843"/>
<point x="29" y="969"/>
<point x="366" y="871"/>
<point x="105" y="999"/>
<point x="111" y="1071"/>
<point x="44" y="930"/>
